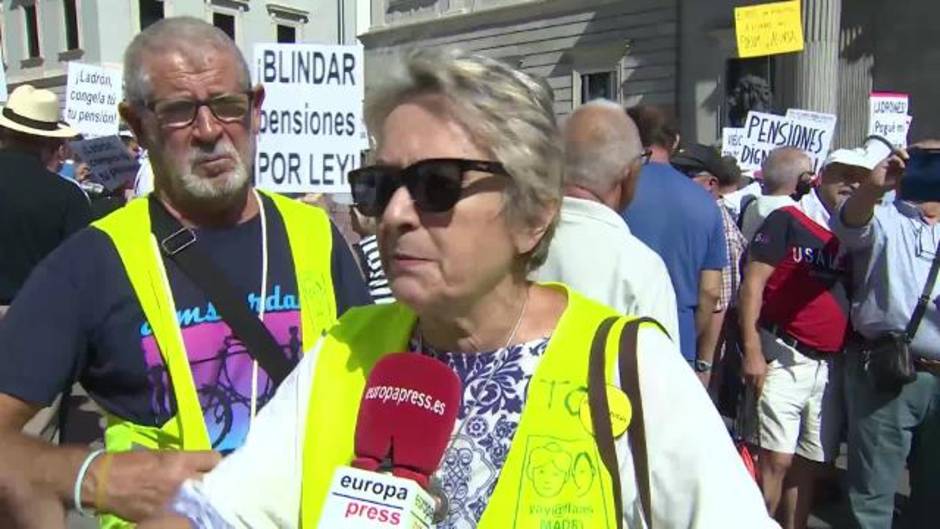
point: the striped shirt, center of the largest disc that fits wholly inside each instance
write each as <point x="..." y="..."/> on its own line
<point x="375" y="275"/>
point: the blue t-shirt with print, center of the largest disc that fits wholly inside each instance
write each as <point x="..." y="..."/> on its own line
<point x="77" y="318"/>
<point x="681" y="222"/>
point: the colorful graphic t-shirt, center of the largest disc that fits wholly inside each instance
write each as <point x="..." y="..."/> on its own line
<point x="806" y="294"/>
<point x="77" y="318"/>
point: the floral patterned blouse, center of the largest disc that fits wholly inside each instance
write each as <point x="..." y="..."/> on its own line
<point x="494" y="389"/>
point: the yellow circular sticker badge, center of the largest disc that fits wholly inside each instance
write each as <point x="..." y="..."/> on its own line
<point x="620" y="411"/>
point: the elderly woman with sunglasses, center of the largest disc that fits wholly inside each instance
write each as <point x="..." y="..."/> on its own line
<point x="466" y="186"/>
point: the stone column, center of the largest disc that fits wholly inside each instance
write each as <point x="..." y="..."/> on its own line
<point x="810" y="79"/>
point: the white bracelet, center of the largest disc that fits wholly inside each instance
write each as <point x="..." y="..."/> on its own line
<point x="77" y="495"/>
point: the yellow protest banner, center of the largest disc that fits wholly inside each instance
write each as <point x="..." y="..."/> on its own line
<point x="768" y="29"/>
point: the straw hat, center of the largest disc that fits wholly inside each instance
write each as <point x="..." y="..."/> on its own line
<point x="34" y="112"/>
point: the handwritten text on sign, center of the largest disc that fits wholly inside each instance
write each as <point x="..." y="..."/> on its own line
<point x="107" y="157"/>
<point x="732" y="140"/>
<point x="888" y="117"/>
<point x="768" y="29"/>
<point x="311" y="119"/>
<point x="91" y="99"/>
<point x="766" y="132"/>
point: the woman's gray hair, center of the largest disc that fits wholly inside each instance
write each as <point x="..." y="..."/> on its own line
<point x="187" y="35"/>
<point x="508" y="112"/>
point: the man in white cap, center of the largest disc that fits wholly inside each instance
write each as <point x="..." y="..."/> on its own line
<point x="841" y="173"/>
<point x="38" y="209"/>
<point x="893" y="420"/>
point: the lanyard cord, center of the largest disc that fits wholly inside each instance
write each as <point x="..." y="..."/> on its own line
<point x="261" y="305"/>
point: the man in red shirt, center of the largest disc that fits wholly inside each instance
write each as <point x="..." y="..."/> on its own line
<point x="794" y="318"/>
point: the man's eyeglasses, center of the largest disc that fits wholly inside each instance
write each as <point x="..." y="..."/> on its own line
<point x="179" y="113"/>
<point x="645" y="156"/>
<point x="435" y="185"/>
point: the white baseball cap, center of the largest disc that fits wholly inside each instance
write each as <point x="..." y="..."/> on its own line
<point x="856" y="157"/>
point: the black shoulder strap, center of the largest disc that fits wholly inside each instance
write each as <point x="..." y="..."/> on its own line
<point x="924" y="299"/>
<point x="600" y="412"/>
<point x="180" y="245"/>
<point x="630" y="382"/>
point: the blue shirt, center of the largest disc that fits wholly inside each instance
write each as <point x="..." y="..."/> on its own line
<point x="891" y="258"/>
<point x="681" y="222"/>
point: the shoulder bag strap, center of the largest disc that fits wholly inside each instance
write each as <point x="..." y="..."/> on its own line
<point x="630" y="382"/>
<point x="180" y="245"/>
<point x="924" y="299"/>
<point x="600" y="412"/>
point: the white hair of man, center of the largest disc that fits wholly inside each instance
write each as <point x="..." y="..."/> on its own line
<point x="782" y="169"/>
<point x="192" y="39"/>
<point x="508" y="112"/>
<point x="186" y="35"/>
<point x="601" y="141"/>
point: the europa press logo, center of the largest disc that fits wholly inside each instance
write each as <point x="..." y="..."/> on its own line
<point x="370" y="499"/>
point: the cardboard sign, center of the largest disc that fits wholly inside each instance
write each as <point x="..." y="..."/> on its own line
<point x="110" y="163"/>
<point x="311" y="121"/>
<point x="768" y="29"/>
<point x="888" y="117"/>
<point x="810" y="131"/>
<point x="91" y="99"/>
<point x="732" y="140"/>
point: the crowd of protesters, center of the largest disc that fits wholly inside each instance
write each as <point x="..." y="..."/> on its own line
<point x="780" y="296"/>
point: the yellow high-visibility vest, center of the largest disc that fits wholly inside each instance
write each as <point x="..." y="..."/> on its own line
<point x="553" y="475"/>
<point x="309" y="235"/>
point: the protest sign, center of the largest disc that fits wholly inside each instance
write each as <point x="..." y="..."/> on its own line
<point x="732" y="139"/>
<point x="888" y="117"/>
<point x="768" y="29"/>
<point x="810" y="131"/>
<point x="107" y="157"/>
<point x="91" y="99"/>
<point x="826" y="122"/>
<point x="311" y="122"/>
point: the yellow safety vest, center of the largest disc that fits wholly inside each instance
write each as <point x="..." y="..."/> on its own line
<point x="553" y="475"/>
<point x="309" y="235"/>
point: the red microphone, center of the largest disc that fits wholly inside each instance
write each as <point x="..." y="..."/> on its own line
<point x="406" y="417"/>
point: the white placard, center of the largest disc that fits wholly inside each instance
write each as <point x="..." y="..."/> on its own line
<point x="311" y="120"/>
<point x="732" y="139"/>
<point x="107" y="157"/>
<point x="888" y="117"/>
<point x="810" y="131"/>
<point x="91" y="99"/>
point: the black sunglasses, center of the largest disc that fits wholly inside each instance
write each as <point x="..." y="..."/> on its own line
<point x="434" y="184"/>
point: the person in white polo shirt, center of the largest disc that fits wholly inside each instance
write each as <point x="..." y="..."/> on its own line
<point x="593" y="250"/>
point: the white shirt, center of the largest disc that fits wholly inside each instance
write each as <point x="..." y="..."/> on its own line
<point x="698" y="480"/>
<point x="756" y="213"/>
<point x="813" y="208"/>
<point x="143" y="182"/>
<point x="594" y="253"/>
<point x="732" y="201"/>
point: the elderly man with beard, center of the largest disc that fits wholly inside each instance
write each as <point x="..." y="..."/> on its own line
<point x="114" y="309"/>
